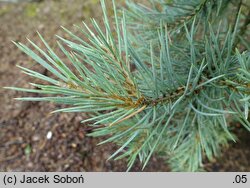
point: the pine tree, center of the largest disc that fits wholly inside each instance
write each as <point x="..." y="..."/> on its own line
<point x="167" y="76"/>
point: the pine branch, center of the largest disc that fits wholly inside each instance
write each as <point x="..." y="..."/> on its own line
<point x="163" y="89"/>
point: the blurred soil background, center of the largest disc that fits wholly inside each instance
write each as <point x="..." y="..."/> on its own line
<point x="24" y="125"/>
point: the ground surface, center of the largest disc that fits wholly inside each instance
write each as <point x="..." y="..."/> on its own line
<point x="24" y="125"/>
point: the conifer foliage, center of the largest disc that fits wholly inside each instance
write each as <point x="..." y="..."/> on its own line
<point x="166" y="76"/>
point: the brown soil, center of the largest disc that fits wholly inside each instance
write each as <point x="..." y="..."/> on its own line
<point x="24" y="125"/>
